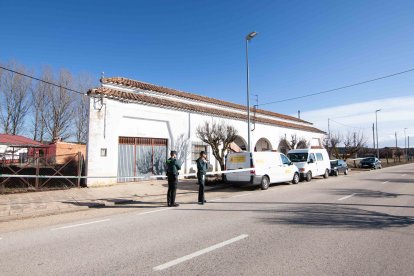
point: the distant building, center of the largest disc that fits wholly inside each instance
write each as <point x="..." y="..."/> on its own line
<point x="15" y="148"/>
<point x="61" y="151"/>
<point x="133" y="125"/>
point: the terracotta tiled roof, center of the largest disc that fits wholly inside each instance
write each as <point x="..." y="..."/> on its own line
<point x="18" y="141"/>
<point x="142" y="98"/>
<point x="165" y="90"/>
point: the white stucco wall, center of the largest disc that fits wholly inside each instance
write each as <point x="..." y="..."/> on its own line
<point x="117" y="119"/>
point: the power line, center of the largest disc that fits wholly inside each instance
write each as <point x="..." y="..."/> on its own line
<point x="353" y="115"/>
<point x="48" y="82"/>
<point x="339" y="88"/>
<point x="362" y="128"/>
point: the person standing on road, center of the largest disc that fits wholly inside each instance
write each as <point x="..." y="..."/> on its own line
<point x="173" y="166"/>
<point x="202" y="166"/>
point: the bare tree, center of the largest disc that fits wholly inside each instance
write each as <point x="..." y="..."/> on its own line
<point x="385" y="153"/>
<point x="398" y="153"/>
<point x="59" y="109"/>
<point x="219" y="135"/>
<point x="40" y="94"/>
<point x="14" y="97"/>
<point x="294" y="143"/>
<point x="331" y="144"/>
<point x="302" y="144"/>
<point x="353" y="143"/>
<point x="84" y="82"/>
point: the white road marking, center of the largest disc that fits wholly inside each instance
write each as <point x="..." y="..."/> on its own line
<point x="1" y="238"/>
<point x="348" y="196"/>
<point x="154" y="211"/>
<point x="81" y="224"/>
<point x="242" y="195"/>
<point x="404" y="174"/>
<point x="199" y="253"/>
<point x="385" y="182"/>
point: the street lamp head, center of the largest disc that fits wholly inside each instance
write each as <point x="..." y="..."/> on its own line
<point x="251" y="35"/>
<point x="377" y="110"/>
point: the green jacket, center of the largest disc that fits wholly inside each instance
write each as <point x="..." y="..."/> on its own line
<point x="202" y="166"/>
<point x="173" y="166"/>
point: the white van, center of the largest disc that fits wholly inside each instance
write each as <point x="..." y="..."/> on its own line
<point x="269" y="167"/>
<point x="311" y="162"/>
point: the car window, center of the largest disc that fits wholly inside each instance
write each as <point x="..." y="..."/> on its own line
<point x="312" y="157"/>
<point x="298" y="157"/>
<point x="319" y="156"/>
<point x="369" y="159"/>
<point x="285" y="160"/>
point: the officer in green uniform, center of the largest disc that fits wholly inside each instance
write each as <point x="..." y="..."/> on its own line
<point x="173" y="166"/>
<point x="202" y="167"/>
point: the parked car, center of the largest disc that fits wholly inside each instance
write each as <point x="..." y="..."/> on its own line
<point x="371" y="163"/>
<point x="339" y="166"/>
<point x="311" y="162"/>
<point x="269" y="167"/>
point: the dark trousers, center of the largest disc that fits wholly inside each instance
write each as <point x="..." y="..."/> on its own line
<point x="201" y="184"/>
<point x="172" y="189"/>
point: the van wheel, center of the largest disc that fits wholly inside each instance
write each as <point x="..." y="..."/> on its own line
<point x="346" y="172"/>
<point x="326" y="175"/>
<point x="295" y="179"/>
<point x="336" y="173"/>
<point x="265" y="183"/>
<point x="308" y="176"/>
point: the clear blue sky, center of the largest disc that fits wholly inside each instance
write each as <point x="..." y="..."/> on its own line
<point x="198" y="46"/>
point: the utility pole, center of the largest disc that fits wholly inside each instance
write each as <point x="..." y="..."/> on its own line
<point x="376" y="128"/>
<point x="396" y="143"/>
<point x="405" y="144"/>
<point x="248" y="38"/>
<point x="373" y="135"/>
<point x="329" y="130"/>
<point x="408" y="150"/>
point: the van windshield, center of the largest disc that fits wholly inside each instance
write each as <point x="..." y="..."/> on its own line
<point x="298" y="157"/>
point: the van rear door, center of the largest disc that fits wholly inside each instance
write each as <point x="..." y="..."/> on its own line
<point x="238" y="160"/>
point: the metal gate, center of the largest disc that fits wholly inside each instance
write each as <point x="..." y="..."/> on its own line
<point x="139" y="156"/>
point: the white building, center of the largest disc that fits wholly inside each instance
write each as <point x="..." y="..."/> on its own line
<point x="133" y="125"/>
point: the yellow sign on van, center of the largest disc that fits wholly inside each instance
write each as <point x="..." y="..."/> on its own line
<point x="238" y="159"/>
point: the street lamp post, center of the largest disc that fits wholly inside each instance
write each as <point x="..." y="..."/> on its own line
<point x="248" y="38"/>
<point x="376" y="129"/>
<point x="405" y="144"/>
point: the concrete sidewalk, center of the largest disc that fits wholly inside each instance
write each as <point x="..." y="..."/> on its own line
<point x="33" y="204"/>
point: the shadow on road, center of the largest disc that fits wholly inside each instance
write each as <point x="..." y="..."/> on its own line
<point x="308" y="214"/>
<point x="336" y="217"/>
<point x="402" y="172"/>
<point x="366" y="193"/>
<point x="394" y="180"/>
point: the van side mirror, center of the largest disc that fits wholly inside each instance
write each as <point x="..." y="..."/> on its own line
<point x="310" y="161"/>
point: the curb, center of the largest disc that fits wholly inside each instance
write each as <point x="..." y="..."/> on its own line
<point x="100" y="204"/>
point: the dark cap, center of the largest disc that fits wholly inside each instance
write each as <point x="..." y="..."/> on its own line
<point x="202" y="152"/>
<point x="173" y="152"/>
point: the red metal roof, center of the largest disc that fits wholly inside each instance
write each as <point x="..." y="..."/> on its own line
<point x="18" y="141"/>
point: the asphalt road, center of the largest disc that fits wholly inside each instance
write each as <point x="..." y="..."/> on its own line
<point x="361" y="224"/>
